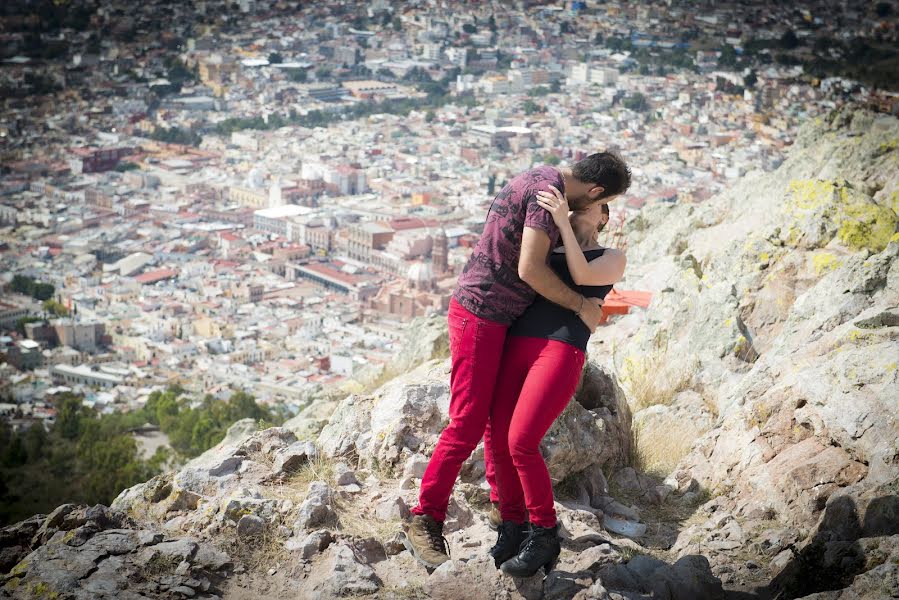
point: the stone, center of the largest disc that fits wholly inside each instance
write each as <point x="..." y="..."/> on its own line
<point x="182" y="549"/>
<point x="344" y="475"/>
<point x="316" y="508"/>
<point x="289" y="460"/>
<point x="210" y="558"/>
<point x="628" y="480"/>
<point x="592" y="484"/>
<point x="478" y="579"/>
<point x="689" y="577"/>
<point x="415" y="466"/>
<point x="631" y="529"/>
<point x="184" y="591"/>
<point x="309" y="545"/>
<point x="595" y="557"/>
<point x="643" y="566"/>
<point x="595" y="592"/>
<point x="458" y="516"/>
<point x="250" y="526"/>
<point x="392" y="509"/>
<point x="15" y="541"/>
<point x="577" y="521"/>
<point x="339" y="574"/>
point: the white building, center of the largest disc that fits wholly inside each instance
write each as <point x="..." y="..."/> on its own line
<point x="84" y="375"/>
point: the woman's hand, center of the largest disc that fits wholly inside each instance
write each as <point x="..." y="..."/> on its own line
<point x="555" y="202"/>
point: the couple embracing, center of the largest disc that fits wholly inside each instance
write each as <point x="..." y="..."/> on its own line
<point x="519" y="321"/>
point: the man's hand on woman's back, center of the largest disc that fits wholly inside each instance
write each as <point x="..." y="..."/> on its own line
<point x="591" y="314"/>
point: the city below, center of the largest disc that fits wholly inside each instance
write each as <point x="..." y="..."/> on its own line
<point x="260" y="196"/>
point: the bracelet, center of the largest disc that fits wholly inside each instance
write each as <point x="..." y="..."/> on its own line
<point x="578" y="313"/>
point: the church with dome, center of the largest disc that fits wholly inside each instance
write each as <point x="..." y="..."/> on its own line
<point x="426" y="288"/>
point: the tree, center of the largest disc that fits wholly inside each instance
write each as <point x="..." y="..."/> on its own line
<point x="530" y="107"/>
<point x="322" y="73"/>
<point x="469" y="28"/>
<point x="417" y="74"/>
<point x="491" y="184"/>
<point x="56" y="308"/>
<point x="30" y="287"/>
<point x="789" y="40"/>
<point x="178" y="72"/>
<point x="298" y="75"/>
<point x="551" y="159"/>
<point x="70" y="412"/>
<point x="728" y="56"/>
<point x="21" y="322"/>
<point x="275" y="58"/>
<point x="750" y="79"/>
<point x="636" y="102"/>
<point x="883" y="9"/>
<point x="430" y="116"/>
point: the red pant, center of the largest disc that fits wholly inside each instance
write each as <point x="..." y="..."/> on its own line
<point x="476" y="346"/>
<point x="537" y="378"/>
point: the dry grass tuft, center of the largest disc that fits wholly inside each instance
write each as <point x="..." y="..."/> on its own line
<point x="159" y="565"/>
<point x="651" y="380"/>
<point x="355" y="519"/>
<point x="659" y="445"/>
<point x="320" y="468"/>
<point x="265" y="552"/>
<point x="412" y="591"/>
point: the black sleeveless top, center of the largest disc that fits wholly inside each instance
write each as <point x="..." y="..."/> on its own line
<point x="548" y="320"/>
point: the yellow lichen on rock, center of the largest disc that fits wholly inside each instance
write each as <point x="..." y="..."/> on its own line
<point x="866" y="226"/>
<point x="824" y="262"/>
<point x="810" y="194"/>
<point x="860" y="222"/>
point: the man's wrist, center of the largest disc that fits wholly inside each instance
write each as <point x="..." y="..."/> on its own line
<point x="581" y="307"/>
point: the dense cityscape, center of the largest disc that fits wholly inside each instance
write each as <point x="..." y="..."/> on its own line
<point x="259" y="196"/>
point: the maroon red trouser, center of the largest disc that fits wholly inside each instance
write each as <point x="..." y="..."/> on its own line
<point x="536" y="380"/>
<point x="476" y="347"/>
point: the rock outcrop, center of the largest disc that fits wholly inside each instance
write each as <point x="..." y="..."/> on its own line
<point x="750" y="450"/>
<point x="779" y="299"/>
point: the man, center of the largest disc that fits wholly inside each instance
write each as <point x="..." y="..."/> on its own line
<point x="507" y="268"/>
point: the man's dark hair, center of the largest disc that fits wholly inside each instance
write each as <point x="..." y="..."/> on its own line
<point x="607" y="169"/>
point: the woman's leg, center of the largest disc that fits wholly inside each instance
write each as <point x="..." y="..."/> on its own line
<point x="549" y="385"/>
<point x="512" y="372"/>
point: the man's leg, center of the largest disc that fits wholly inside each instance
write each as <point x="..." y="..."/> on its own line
<point x="488" y="464"/>
<point x="476" y="347"/>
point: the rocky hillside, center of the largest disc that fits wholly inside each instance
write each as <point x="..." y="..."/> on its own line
<point x="736" y="440"/>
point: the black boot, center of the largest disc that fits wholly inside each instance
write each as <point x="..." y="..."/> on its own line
<point x="540" y="549"/>
<point x="510" y="536"/>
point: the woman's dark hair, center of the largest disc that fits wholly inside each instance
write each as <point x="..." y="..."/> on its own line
<point x="607" y="169"/>
<point x="605" y="211"/>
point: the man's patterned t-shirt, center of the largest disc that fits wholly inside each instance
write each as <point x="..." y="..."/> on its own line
<point x="489" y="287"/>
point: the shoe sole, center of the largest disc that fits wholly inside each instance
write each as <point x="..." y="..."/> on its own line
<point x="546" y="568"/>
<point x="408" y="545"/>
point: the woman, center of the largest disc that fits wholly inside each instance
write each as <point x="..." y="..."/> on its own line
<point x="540" y="369"/>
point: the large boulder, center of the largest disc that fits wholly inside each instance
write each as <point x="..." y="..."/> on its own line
<point x="94" y="553"/>
<point x="404" y="418"/>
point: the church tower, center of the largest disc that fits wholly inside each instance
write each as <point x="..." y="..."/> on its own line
<point x="439" y="253"/>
